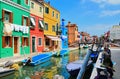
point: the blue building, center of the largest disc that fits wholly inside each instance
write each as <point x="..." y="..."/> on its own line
<point x="64" y="35"/>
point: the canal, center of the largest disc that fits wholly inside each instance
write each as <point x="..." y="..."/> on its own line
<point x="47" y="70"/>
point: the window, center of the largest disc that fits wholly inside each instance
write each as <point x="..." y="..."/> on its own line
<point x="41" y="24"/>
<point x="32" y="5"/>
<point x="40" y="9"/>
<point x="53" y="14"/>
<point x="6" y="41"/>
<point x="25" y="21"/>
<point x="32" y="22"/>
<point x="57" y="16"/>
<point x="26" y="2"/>
<point x="40" y="41"/>
<point x="7" y="16"/>
<point x="46" y="26"/>
<point x="46" y="10"/>
<point x="53" y="28"/>
<point x="25" y="41"/>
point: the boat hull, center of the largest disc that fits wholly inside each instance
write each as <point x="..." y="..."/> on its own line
<point x="38" y="59"/>
<point x="6" y="72"/>
<point x="73" y="68"/>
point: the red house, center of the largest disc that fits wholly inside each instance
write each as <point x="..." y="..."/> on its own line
<point x="37" y="27"/>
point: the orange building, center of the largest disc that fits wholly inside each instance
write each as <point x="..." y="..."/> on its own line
<point x="72" y="33"/>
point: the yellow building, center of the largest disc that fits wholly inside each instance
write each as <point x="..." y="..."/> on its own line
<point x="52" y="22"/>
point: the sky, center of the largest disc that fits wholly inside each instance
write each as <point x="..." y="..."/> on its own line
<point x="92" y="16"/>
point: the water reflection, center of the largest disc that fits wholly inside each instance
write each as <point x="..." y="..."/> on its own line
<point x="49" y="69"/>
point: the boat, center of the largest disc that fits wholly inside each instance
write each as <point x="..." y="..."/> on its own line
<point x="64" y="52"/>
<point x="73" y="68"/>
<point x="85" y="46"/>
<point x="6" y="71"/>
<point x="38" y="59"/>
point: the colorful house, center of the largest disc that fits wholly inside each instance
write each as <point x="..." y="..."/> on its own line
<point x="64" y="36"/>
<point x="52" y="22"/>
<point x="72" y="33"/>
<point x="14" y="31"/>
<point x="36" y="26"/>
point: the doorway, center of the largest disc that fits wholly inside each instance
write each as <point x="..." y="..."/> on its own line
<point x="16" y="47"/>
<point x="33" y="44"/>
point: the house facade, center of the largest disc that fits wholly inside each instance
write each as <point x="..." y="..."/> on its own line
<point x="36" y="26"/>
<point x="14" y="31"/>
<point x="72" y="33"/>
<point x="52" y="22"/>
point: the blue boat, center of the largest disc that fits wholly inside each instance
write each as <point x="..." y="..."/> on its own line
<point x="64" y="52"/>
<point x="38" y="59"/>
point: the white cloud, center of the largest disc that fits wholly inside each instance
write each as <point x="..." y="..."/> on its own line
<point x="113" y="2"/>
<point x="97" y="29"/>
<point x="110" y="13"/>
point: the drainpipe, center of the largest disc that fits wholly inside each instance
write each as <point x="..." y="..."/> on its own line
<point x="83" y="68"/>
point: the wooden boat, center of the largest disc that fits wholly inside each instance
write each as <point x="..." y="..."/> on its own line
<point x="38" y="59"/>
<point x="73" y="68"/>
<point x="6" y="71"/>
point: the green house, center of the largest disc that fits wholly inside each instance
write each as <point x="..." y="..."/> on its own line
<point x="14" y="28"/>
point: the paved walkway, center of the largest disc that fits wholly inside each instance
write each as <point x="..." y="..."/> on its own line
<point x="21" y="57"/>
<point x="115" y="57"/>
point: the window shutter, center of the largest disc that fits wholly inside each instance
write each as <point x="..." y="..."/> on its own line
<point x="22" y="20"/>
<point x="3" y="12"/>
<point x="28" y="21"/>
<point x="3" y="41"/>
<point x="27" y="41"/>
<point x="11" y="17"/>
<point x="22" y="41"/>
<point x="10" y="41"/>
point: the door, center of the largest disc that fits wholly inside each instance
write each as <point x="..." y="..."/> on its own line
<point x="15" y="45"/>
<point x="33" y="44"/>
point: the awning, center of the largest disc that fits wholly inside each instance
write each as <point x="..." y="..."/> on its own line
<point x="33" y="21"/>
<point x="41" y="23"/>
<point x="54" y="38"/>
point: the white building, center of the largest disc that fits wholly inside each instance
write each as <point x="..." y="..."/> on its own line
<point x="115" y="32"/>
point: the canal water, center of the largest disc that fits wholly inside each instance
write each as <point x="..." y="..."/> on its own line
<point x="47" y="70"/>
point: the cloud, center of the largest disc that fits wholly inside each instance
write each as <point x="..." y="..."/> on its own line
<point x="109" y="13"/>
<point x="97" y="29"/>
<point x="112" y="2"/>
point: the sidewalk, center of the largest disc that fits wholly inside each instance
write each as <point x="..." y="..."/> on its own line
<point x="16" y="58"/>
<point x="21" y="57"/>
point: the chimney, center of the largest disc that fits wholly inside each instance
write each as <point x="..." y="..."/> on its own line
<point x="69" y="23"/>
<point x="49" y="2"/>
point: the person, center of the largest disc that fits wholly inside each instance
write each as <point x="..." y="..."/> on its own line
<point x="28" y="61"/>
<point x="106" y="49"/>
<point x="107" y="62"/>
